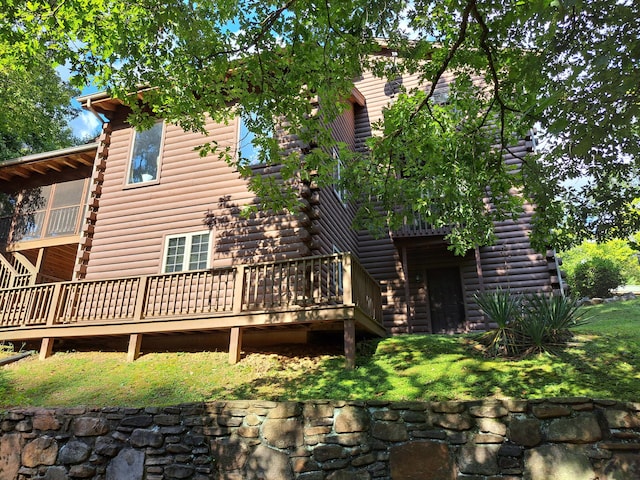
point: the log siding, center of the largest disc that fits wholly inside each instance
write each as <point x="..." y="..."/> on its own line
<point x="509" y="263"/>
<point x="132" y="222"/>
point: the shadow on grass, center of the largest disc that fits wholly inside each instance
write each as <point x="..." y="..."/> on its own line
<point x="447" y="368"/>
<point x="411" y="367"/>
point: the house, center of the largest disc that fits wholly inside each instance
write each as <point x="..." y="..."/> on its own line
<point x="136" y="236"/>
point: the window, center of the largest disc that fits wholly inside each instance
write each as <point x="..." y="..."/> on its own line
<point x="339" y="189"/>
<point x="50" y="211"/>
<point x="248" y="151"/>
<point x="186" y="252"/>
<point x="145" y="155"/>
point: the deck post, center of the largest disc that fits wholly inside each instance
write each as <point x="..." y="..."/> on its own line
<point x="238" y="288"/>
<point x="46" y="347"/>
<point x="350" y="344"/>
<point x="135" y="342"/>
<point x="141" y="294"/>
<point x="235" y="345"/>
<point x="347" y="285"/>
<point x="54" y="305"/>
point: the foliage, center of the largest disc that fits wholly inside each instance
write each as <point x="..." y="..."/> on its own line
<point x="596" y="277"/>
<point x="547" y="322"/>
<point x="503" y="309"/>
<point x="618" y="251"/>
<point x="571" y="66"/>
<point x="527" y="324"/>
<point x="35" y="110"/>
<point x="408" y="367"/>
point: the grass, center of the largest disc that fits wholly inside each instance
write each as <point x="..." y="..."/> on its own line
<point x="602" y="362"/>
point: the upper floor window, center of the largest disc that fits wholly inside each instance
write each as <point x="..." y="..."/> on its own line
<point x="144" y="165"/>
<point x="188" y="251"/>
<point x="338" y="188"/>
<point x="248" y="150"/>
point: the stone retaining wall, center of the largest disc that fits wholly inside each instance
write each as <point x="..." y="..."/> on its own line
<point x="570" y="438"/>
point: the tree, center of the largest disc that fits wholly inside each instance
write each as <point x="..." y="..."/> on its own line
<point x="571" y="66"/>
<point x="35" y="110"/>
<point x="618" y="251"/>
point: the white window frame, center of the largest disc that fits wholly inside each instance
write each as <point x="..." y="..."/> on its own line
<point x="187" y="249"/>
<point x="127" y="179"/>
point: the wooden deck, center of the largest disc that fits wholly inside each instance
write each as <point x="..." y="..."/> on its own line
<point x="317" y="292"/>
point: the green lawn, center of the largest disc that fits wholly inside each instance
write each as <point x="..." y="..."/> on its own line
<point x="603" y="362"/>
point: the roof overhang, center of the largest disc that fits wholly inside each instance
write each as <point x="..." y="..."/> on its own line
<point x="47" y="163"/>
<point x="100" y="103"/>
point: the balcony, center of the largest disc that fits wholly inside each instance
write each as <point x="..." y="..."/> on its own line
<point x="416" y="226"/>
<point x="53" y="213"/>
<point x="316" y="292"/>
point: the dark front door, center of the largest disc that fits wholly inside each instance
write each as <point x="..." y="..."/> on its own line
<point x="446" y="303"/>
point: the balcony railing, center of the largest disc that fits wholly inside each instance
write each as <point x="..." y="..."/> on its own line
<point x="416" y="226"/>
<point x="322" y="281"/>
<point x="54" y="222"/>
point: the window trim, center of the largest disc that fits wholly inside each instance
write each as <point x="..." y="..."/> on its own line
<point x="187" y="252"/>
<point x="127" y="172"/>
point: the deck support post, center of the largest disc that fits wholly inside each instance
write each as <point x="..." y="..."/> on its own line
<point x="46" y="347"/>
<point x="350" y="344"/>
<point x="135" y="342"/>
<point x="238" y="288"/>
<point x="235" y="345"/>
<point x="347" y="285"/>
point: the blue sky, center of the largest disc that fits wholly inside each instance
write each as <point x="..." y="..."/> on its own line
<point x="85" y="125"/>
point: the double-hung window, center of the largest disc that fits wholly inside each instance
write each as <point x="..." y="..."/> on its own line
<point x="189" y="251"/>
<point x="144" y="165"/>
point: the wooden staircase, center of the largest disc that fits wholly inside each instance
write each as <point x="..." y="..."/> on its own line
<point x="16" y="271"/>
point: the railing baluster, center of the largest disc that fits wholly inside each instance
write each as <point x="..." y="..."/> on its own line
<point x="321" y="280"/>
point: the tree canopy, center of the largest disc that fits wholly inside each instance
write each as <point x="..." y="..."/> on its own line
<point x="569" y="67"/>
<point x="35" y="109"/>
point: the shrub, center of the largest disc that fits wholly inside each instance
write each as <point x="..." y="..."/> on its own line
<point x="525" y="325"/>
<point x="547" y="322"/>
<point x="503" y="309"/>
<point x="596" y="277"/>
<point x="618" y="251"/>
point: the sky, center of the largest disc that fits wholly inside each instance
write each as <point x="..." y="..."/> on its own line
<point x="86" y="125"/>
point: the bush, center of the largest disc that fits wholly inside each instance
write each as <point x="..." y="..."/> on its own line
<point x="503" y="309"/>
<point x="618" y="251"/>
<point x="596" y="277"/>
<point x="531" y="324"/>
<point x="547" y="322"/>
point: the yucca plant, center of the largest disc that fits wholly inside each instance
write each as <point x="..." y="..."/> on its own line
<point x="504" y="309"/>
<point x="547" y="322"/>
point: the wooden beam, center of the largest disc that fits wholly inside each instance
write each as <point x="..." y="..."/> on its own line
<point x="350" y="344"/>
<point x="135" y="342"/>
<point x="46" y="347"/>
<point x="203" y="322"/>
<point x="407" y="288"/>
<point x="235" y="345"/>
<point x="479" y="269"/>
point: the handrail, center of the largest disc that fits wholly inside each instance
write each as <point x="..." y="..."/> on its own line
<point x="324" y="280"/>
<point x="416" y="226"/>
<point x="7" y="273"/>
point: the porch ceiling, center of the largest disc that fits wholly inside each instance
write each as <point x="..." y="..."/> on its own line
<point x="74" y="161"/>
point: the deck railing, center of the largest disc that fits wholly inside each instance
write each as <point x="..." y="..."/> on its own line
<point x="416" y="226"/>
<point x="277" y="286"/>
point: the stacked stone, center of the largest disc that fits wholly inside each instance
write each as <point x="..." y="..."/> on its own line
<point x="568" y="438"/>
